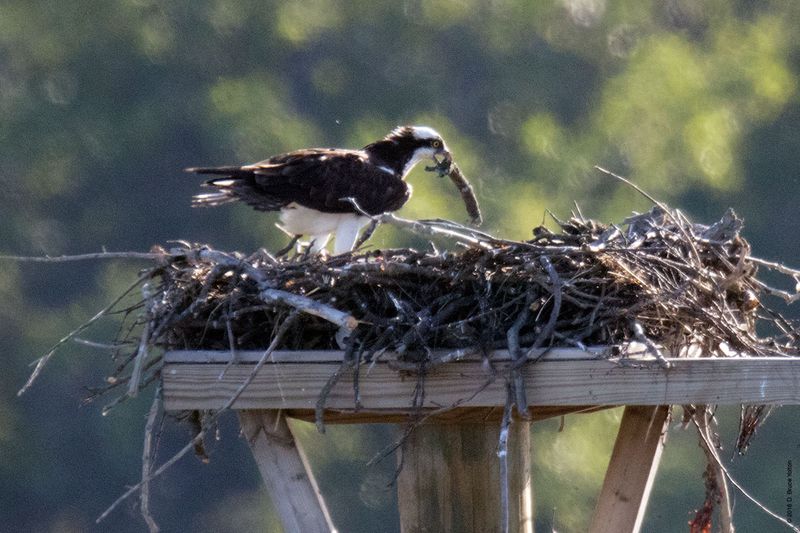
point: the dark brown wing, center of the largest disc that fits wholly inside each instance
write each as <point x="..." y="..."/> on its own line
<point x="314" y="178"/>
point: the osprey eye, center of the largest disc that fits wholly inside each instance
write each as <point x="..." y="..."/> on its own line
<point x="436" y="143"/>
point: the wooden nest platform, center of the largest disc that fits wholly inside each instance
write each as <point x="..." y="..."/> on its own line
<point x="452" y="335"/>
<point x="653" y="287"/>
<point x="656" y="284"/>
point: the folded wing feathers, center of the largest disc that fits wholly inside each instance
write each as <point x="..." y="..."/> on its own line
<point x="315" y="178"/>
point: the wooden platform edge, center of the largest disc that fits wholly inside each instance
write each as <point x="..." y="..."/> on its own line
<point x="336" y="356"/>
<point x="296" y="385"/>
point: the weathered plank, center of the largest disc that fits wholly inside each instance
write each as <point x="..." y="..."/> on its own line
<point x="459" y="415"/>
<point x="296" y="385"/>
<point x="629" y="478"/>
<point x="335" y="356"/>
<point x="286" y="472"/>
<point x="451" y="477"/>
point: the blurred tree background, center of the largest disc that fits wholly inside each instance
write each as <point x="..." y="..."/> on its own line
<point x="102" y="104"/>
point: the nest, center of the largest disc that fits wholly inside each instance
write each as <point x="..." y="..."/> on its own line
<point x="656" y="278"/>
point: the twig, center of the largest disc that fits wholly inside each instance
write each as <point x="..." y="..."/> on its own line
<point x="183" y="451"/>
<point x="720" y="482"/>
<point x="787" y="296"/>
<point x="100" y="314"/>
<point x="284" y="327"/>
<point x="428" y="228"/>
<point x="639" y="335"/>
<point x="741" y="489"/>
<point x="366" y="234"/>
<point x="289" y="247"/>
<point x="512" y="337"/>
<point x="783" y="269"/>
<point x="141" y="355"/>
<point x="82" y="257"/>
<point x="147" y="460"/>
<point x="312" y="307"/>
<point x="231" y="340"/>
<point x="100" y="345"/>
<point x="269" y="294"/>
<point x="347" y="364"/>
<point x="502" y="455"/>
<point x="661" y="205"/>
<point x="422" y="419"/>
<point x="141" y="352"/>
<point x="213" y="419"/>
<point x="416" y="226"/>
<point x="357" y="359"/>
<point x="154" y="374"/>
<point x="555" y="288"/>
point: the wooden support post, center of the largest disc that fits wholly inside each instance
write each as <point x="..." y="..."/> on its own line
<point x="450" y="480"/>
<point x="286" y="472"/>
<point x="634" y="462"/>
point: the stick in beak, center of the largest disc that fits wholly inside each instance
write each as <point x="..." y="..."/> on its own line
<point x="467" y="194"/>
<point x="447" y="167"/>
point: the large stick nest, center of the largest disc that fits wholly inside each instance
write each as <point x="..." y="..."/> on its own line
<point x="676" y="287"/>
<point x="656" y="278"/>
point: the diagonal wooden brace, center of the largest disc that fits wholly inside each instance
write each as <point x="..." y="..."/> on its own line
<point x="634" y="462"/>
<point x="286" y="472"/>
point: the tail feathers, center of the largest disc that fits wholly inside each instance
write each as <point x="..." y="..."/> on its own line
<point x="227" y="185"/>
<point x="227" y="171"/>
<point x="212" y="199"/>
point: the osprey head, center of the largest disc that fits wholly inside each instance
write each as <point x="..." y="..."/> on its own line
<point x="406" y="146"/>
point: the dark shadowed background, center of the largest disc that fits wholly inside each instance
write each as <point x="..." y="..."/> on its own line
<point x="103" y="103"/>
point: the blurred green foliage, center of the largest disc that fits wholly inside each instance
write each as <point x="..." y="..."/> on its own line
<point x="103" y="103"/>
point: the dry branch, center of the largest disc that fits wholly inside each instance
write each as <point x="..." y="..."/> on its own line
<point x="449" y="168"/>
<point x="147" y="462"/>
<point x="467" y="194"/>
<point x="717" y="464"/>
<point x="42" y="361"/>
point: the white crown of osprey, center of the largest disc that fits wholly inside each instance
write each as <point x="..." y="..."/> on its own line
<point x="418" y="132"/>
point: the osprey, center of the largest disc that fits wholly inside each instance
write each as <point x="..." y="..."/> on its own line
<point x="311" y="187"/>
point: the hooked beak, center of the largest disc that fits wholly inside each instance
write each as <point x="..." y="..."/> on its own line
<point x="441" y="167"/>
<point x="446" y="158"/>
